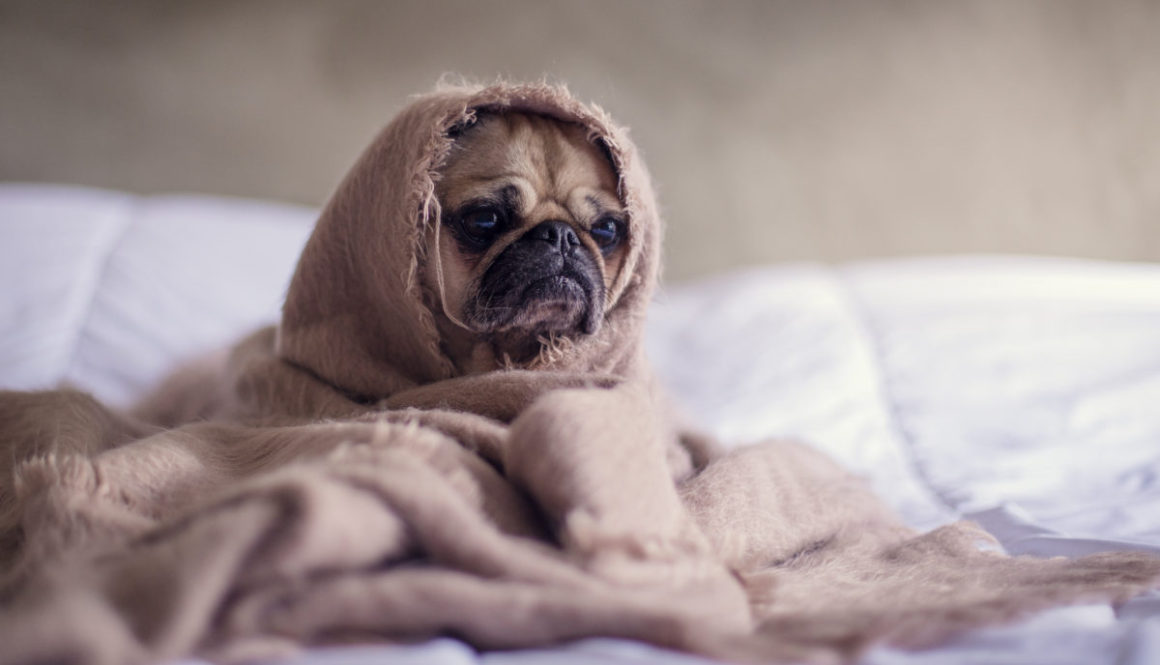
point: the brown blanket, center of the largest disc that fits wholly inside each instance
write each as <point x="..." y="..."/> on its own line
<point x="336" y="479"/>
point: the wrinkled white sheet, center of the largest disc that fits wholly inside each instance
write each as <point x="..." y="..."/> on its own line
<point x="1021" y="392"/>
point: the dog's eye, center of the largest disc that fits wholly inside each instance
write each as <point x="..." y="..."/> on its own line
<point x="480" y="225"/>
<point x="481" y="222"/>
<point x="606" y="232"/>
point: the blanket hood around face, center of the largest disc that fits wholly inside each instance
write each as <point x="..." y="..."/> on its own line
<point x="355" y="316"/>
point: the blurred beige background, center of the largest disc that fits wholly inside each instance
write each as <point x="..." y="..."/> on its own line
<point x="775" y="130"/>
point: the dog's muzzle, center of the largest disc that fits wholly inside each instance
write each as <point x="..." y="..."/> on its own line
<point x="546" y="281"/>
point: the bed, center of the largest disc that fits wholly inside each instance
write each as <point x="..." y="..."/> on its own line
<point x="1020" y="392"/>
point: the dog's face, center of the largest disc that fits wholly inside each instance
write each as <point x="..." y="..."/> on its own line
<point x="532" y="232"/>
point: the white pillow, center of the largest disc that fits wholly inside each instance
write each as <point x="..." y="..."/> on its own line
<point x="108" y="291"/>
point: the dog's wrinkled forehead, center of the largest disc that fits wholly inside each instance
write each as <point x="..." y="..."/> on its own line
<point x="539" y="162"/>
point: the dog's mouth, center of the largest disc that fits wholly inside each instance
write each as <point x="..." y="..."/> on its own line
<point x="555" y="288"/>
<point x="515" y="295"/>
<point x="553" y="304"/>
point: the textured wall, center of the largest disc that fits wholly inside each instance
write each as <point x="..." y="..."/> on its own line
<point x="775" y="130"/>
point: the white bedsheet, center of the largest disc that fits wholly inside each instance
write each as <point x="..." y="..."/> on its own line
<point x="1021" y="392"/>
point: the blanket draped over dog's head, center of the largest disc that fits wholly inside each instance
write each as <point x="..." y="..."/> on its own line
<point x="339" y="479"/>
<point x="355" y="315"/>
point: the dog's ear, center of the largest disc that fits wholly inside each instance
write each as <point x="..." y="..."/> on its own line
<point x="456" y="130"/>
<point x="602" y="146"/>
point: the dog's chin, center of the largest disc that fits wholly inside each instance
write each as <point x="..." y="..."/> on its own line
<point x="557" y="304"/>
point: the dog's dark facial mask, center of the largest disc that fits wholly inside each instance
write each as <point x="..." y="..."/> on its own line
<point x="531" y="237"/>
<point x="544" y="282"/>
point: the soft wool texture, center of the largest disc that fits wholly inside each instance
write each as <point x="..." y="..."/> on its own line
<point x="335" y="480"/>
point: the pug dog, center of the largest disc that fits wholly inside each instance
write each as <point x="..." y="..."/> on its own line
<point x="531" y="237"/>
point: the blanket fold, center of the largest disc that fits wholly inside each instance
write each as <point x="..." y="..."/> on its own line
<point x="334" y="479"/>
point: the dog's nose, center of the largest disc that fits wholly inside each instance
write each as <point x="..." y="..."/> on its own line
<point x="559" y="234"/>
